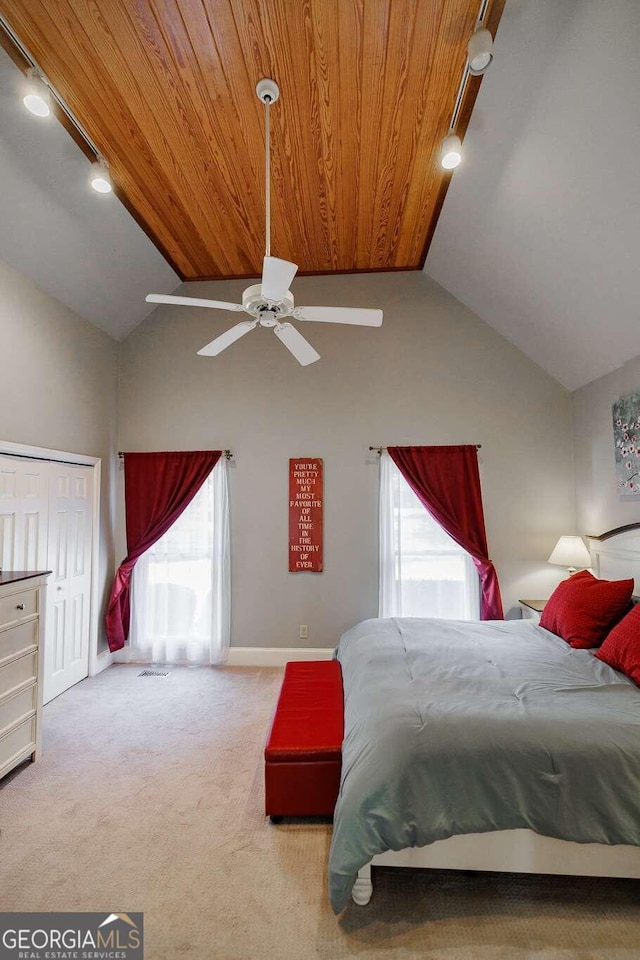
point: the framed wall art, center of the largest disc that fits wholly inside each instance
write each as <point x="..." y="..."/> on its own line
<point x="306" y="505"/>
<point x="626" y="437"/>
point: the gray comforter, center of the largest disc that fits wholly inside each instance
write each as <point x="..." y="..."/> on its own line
<point x="454" y="727"/>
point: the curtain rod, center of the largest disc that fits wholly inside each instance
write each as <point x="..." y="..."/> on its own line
<point x="226" y="454"/>
<point x="379" y="450"/>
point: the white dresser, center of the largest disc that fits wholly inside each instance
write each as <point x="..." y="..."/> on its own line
<point x="22" y="620"/>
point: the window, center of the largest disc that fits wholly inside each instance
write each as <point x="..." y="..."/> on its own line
<point x="181" y="585"/>
<point x="423" y="572"/>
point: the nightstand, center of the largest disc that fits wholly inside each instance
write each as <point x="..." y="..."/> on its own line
<point x="531" y="609"/>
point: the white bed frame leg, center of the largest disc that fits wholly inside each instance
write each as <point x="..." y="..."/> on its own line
<point x="363" y="887"/>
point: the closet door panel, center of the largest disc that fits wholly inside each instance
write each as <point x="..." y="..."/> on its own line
<point x="24" y="507"/>
<point x="46" y="515"/>
<point x="70" y="527"/>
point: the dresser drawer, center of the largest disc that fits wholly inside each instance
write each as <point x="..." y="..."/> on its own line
<point x="18" y="672"/>
<point x="17" y="745"/>
<point x="18" y="638"/>
<point x="18" y="606"/>
<point x="16" y="707"/>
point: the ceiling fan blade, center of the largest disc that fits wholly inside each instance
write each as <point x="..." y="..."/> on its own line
<point x="227" y="338"/>
<point x="296" y="344"/>
<point x="192" y="302"/>
<point x="356" y="315"/>
<point x="276" y="277"/>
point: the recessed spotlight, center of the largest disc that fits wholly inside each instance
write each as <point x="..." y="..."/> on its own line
<point x="451" y="152"/>
<point x="99" y="178"/>
<point x="480" y="51"/>
<point x="37" y="97"/>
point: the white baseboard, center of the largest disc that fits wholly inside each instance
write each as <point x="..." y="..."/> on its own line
<point x="243" y="656"/>
<point x="275" y="656"/>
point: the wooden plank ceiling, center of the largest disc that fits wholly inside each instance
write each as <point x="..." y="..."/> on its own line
<point x="166" y="89"/>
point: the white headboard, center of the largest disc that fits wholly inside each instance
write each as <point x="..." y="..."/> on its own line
<point x="616" y="554"/>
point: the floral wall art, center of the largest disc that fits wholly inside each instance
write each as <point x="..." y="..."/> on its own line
<point x="626" y="435"/>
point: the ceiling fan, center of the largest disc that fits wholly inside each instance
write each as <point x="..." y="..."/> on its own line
<point x="270" y="302"/>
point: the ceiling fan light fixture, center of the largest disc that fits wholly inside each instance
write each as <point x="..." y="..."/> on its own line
<point x="100" y="178"/>
<point x="451" y="151"/>
<point x="37" y="98"/>
<point x="270" y="303"/>
<point x="480" y="51"/>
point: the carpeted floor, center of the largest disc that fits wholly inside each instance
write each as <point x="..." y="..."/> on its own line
<point x="149" y="797"/>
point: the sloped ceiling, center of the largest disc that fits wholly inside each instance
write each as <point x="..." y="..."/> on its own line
<point x="167" y="92"/>
<point x="540" y="230"/>
<point x="538" y="235"/>
<point x="81" y="248"/>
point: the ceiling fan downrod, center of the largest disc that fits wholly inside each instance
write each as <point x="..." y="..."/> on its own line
<point x="268" y="92"/>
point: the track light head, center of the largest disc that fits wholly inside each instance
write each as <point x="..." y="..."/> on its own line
<point x="480" y="51"/>
<point x="99" y="178"/>
<point x="37" y="98"/>
<point x="451" y="151"/>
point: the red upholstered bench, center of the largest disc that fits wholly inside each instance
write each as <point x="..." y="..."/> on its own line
<point x="303" y="755"/>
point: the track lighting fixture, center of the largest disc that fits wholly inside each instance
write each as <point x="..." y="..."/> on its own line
<point x="99" y="178"/>
<point x="480" y="51"/>
<point x="479" y="56"/>
<point x="37" y="97"/>
<point x="451" y="151"/>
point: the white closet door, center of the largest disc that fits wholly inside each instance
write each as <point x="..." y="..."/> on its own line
<point x="66" y="650"/>
<point x="24" y="507"/>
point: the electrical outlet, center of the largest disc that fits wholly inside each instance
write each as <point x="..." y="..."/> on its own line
<point x="304" y="631"/>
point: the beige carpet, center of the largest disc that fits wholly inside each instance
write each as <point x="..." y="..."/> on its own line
<point x="149" y="797"/>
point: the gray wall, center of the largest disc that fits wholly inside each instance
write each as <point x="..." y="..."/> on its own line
<point x="58" y="386"/>
<point x="433" y="373"/>
<point x="599" y="507"/>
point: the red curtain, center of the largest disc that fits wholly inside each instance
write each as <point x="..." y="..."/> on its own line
<point x="157" y="488"/>
<point x="446" y="480"/>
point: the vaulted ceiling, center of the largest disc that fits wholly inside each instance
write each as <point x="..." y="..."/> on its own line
<point x="166" y="89"/>
<point x="539" y="231"/>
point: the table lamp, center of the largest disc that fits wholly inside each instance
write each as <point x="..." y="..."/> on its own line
<point x="572" y="553"/>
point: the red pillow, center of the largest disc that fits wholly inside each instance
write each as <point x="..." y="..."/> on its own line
<point x="583" y="609"/>
<point x="556" y="602"/>
<point x="621" y="649"/>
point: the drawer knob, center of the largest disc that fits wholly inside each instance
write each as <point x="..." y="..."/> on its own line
<point x="20" y="606"/>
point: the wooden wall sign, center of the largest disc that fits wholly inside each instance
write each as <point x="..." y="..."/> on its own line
<point x="306" y="501"/>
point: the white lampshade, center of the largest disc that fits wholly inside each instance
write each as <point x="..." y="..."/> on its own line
<point x="570" y="552"/>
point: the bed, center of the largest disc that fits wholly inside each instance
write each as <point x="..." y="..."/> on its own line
<point x="486" y="746"/>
